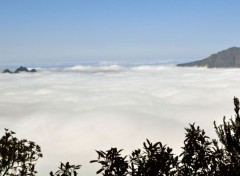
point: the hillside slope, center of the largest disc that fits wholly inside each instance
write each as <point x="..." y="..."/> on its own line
<point x="228" y="58"/>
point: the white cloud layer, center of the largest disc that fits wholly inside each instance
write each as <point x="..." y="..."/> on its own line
<point x="72" y="112"/>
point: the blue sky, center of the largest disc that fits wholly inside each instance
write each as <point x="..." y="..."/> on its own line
<point x="117" y="30"/>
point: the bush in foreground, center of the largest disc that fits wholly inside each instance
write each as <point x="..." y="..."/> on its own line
<point x="18" y="157"/>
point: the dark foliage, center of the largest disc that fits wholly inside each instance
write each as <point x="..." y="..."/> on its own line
<point x="66" y="170"/>
<point x="113" y="164"/>
<point x="197" y="157"/>
<point x="18" y="157"/>
<point x="229" y="136"/>
<point x="156" y="159"/>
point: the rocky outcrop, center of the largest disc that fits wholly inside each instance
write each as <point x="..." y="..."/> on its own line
<point x="20" y="69"/>
<point x="33" y="70"/>
<point x="7" y="71"/>
<point x="229" y="58"/>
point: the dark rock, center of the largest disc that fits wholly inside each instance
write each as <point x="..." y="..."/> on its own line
<point x="33" y="70"/>
<point x="21" y="69"/>
<point x="7" y="71"/>
<point x="229" y="58"/>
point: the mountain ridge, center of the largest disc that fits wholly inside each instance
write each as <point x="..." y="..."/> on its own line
<point x="20" y="69"/>
<point x="228" y="58"/>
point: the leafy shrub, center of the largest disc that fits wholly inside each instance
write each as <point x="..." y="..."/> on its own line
<point x="18" y="157"/>
<point x="113" y="164"/>
<point x="155" y="159"/>
<point x="66" y="170"/>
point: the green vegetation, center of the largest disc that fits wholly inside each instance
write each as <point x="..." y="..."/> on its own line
<point x="18" y="157"/>
<point x="66" y="170"/>
<point x="201" y="156"/>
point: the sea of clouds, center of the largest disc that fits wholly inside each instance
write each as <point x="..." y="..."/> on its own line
<point x="73" y="111"/>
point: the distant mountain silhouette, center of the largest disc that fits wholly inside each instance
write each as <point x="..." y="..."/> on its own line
<point x="33" y="70"/>
<point x="20" y="69"/>
<point x="7" y="71"/>
<point x="228" y="58"/>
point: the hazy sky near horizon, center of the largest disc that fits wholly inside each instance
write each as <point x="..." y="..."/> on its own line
<point x="80" y="30"/>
